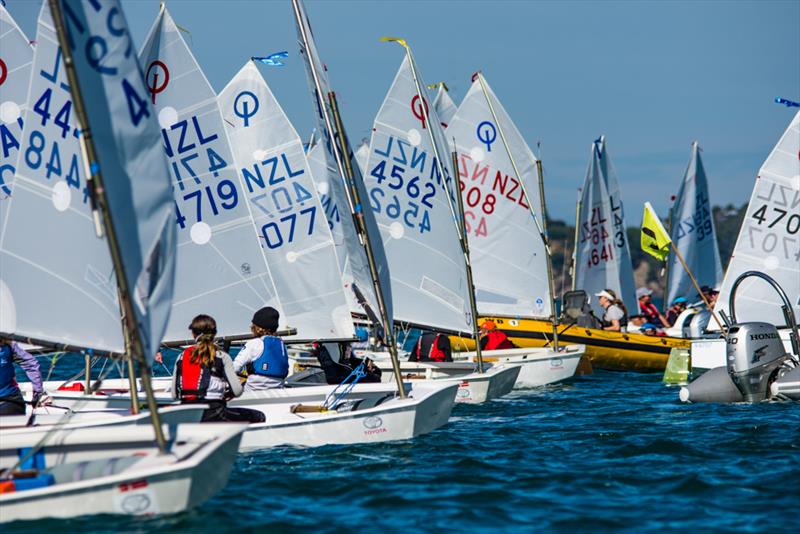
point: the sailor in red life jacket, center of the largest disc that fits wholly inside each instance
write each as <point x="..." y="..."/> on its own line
<point x="494" y="339"/>
<point x="204" y="374"/>
<point x="264" y="357"/>
<point x="649" y="310"/>
<point x="432" y="347"/>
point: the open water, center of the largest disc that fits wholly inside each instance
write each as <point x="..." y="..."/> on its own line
<point x="614" y="451"/>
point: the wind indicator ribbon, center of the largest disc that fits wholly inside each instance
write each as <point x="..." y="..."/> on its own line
<point x="655" y="239"/>
<point x="787" y="103"/>
<point x="401" y="42"/>
<point x="273" y="60"/>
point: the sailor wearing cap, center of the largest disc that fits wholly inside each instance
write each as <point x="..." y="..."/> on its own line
<point x="649" y="310"/>
<point x="264" y="357"/>
<point x="678" y="305"/>
<point x="615" y="317"/>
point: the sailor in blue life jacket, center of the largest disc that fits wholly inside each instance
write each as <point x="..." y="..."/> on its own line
<point x="204" y="375"/>
<point x="264" y="357"/>
<point x="11" y="401"/>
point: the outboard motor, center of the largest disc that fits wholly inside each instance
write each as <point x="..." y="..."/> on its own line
<point x="755" y="353"/>
<point x="755" y="357"/>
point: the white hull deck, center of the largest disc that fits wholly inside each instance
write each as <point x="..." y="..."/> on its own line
<point x="428" y="407"/>
<point x="132" y="485"/>
<point x="473" y="387"/>
<point x="538" y="367"/>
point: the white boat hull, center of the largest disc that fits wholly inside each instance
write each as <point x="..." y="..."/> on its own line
<point x="427" y="408"/>
<point x="473" y="387"/>
<point x="156" y="485"/>
<point x="538" y="367"/>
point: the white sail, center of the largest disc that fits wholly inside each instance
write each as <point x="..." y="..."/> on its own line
<point x="131" y="160"/>
<point x="444" y="106"/>
<point x="407" y="194"/>
<point x="509" y="262"/>
<point x="769" y="240"/>
<point x="220" y="269"/>
<point x="286" y="212"/>
<point x="603" y="258"/>
<point x="693" y="233"/>
<point x="350" y="249"/>
<point x="362" y="154"/>
<point x="58" y="283"/>
<point x="16" y="56"/>
<point x="57" y="274"/>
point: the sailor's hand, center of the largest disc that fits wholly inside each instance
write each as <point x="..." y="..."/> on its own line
<point x="40" y="399"/>
<point x="159" y="358"/>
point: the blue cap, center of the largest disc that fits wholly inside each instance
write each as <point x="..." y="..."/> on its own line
<point x="679" y="300"/>
<point x="362" y="333"/>
<point x="648" y="326"/>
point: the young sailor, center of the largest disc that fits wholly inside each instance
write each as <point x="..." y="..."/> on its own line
<point x="11" y="401"/>
<point x="678" y="305"/>
<point x="494" y="339"/>
<point x="432" y="347"/>
<point x="265" y="357"/>
<point x="204" y="374"/>
<point x="648" y="309"/>
<point x="615" y="317"/>
<point x="337" y="371"/>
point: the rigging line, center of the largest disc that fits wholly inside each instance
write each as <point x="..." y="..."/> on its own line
<point x="64" y="419"/>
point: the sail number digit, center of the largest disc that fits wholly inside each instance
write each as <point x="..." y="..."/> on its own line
<point x="51" y="150"/>
<point x="600" y="242"/>
<point x="776" y="229"/>
<point x="399" y="191"/>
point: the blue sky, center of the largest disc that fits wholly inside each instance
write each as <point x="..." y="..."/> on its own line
<point x="651" y="76"/>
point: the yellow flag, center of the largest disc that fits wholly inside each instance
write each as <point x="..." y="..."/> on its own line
<point x="402" y="42"/>
<point x="655" y="239"/>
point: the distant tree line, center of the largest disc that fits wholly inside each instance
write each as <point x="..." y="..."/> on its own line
<point x="647" y="270"/>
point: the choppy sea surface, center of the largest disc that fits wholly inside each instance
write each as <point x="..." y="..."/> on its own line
<point x="612" y="451"/>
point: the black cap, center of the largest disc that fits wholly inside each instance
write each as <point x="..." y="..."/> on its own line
<point x="267" y="318"/>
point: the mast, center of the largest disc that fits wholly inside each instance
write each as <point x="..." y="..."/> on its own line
<point x="457" y="217"/>
<point x="465" y="243"/>
<point x="574" y="271"/>
<point x="133" y="339"/>
<point x="541" y="227"/>
<point x="352" y="196"/>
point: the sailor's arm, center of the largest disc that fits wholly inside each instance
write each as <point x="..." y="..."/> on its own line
<point x="30" y="365"/>
<point x="230" y="373"/>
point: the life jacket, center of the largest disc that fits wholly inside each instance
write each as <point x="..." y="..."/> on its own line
<point x="650" y="311"/>
<point x="623" y="323"/>
<point x="274" y="360"/>
<point x="8" y="379"/>
<point x="435" y="354"/>
<point x="194" y="378"/>
<point x="497" y="340"/>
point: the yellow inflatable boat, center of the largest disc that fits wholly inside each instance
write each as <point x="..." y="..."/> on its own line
<point x="616" y="351"/>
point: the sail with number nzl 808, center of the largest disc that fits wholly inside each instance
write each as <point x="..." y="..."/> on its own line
<point x="509" y="260"/>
